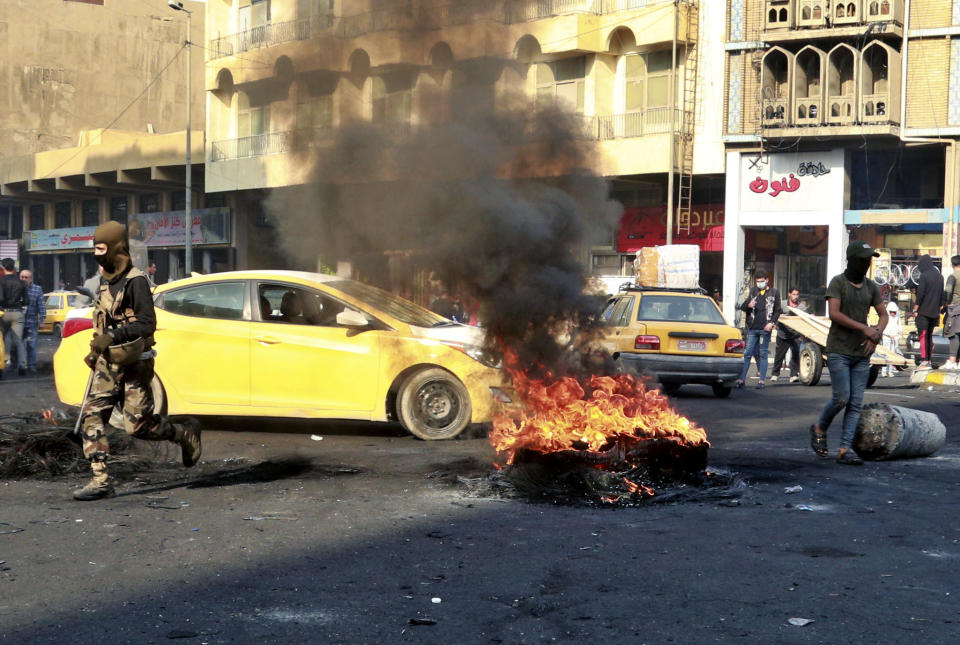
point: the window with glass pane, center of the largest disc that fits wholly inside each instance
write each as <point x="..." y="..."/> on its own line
<point x="90" y="212"/>
<point x="563" y="81"/>
<point x="118" y="209"/>
<point x="658" y="78"/>
<point x="37" y="217"/>
<point x="4" y="221"/>
<point x="259" y="12"/>
<point x="219" y="300"/>
<point x="392" y="96"/>
<point x="317" y="112"/>
<point x="215" y="201"/>
<point x="16" y="221"/>
<point x="636" y="74"/>
<point x="61" y="215"/>
<point x="178" y="200"/>
<point x="149" y="203"/>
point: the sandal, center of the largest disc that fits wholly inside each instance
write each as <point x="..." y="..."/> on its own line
<point x="818" y="441"/>
<point x="850" y="458"/>
<point x="738" y="384"/>
<point x="761" y="385"/>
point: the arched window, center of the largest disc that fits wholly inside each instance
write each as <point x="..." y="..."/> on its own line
<point x="841" y="11"/>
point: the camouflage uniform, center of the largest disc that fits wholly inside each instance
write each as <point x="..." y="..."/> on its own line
<point x="114" y="383"/>
<point x="122" y="372"/>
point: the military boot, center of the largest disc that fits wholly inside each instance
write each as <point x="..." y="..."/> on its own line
<point x="98" y="487"/>
<point x="187" y="435"/>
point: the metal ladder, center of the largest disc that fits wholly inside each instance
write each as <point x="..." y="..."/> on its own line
<point x="688" y="117"/>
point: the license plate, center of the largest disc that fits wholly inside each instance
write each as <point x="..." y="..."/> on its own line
<point x="692" y="345"/>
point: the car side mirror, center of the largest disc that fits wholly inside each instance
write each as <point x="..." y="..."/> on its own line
<point x="352" y="318"/>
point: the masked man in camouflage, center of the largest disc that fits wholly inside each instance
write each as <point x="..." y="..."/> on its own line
<point x="122" y="360"/>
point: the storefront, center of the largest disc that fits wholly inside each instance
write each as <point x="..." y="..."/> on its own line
<point x="65" y="253"/>
<point x="785" y="214"/>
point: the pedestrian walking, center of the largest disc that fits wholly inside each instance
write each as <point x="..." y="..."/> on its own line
<point x="891" y="335"/>
<point x="13" y="302"/>
<point x="951" y="319"/>
<point x="787" y="339"/>
<point x="33" y="317"/>
<point x="850" y="343"/>
<point x="91" y="284"/>
<point x="122" y="357"/>
<point x="927" y="309"/>
<point x="762" y="307"/>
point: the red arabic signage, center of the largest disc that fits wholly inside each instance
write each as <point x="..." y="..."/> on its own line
<point x="647" y="226"/>
<point x="760" y="185"/>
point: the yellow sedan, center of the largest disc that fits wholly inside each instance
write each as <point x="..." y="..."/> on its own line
<point x="677" y="336"/>
<point x="59" y="304"/>
<point x="305" y="345"/>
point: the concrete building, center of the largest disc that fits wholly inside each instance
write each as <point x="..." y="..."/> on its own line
<point x="93" y="128"/>
<point x="280" y="67"/>
<point x="841" y="121"/>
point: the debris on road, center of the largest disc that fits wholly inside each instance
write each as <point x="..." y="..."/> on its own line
<point x="422" y="621"/>
<point x="793" y="489"/>
<point x="800" y="622"/>
<point x="316" y="437"/>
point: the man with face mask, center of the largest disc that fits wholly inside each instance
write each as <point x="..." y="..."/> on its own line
<point x="762" y="306"/>
<point x="927" y="309"/>
<point x="850" y="343"/>
<point x="122" y="360"/>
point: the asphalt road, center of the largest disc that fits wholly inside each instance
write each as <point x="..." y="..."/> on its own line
<point x="280" y="538"/>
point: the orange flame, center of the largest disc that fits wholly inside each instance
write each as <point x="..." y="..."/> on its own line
<point x="570" y="413"/>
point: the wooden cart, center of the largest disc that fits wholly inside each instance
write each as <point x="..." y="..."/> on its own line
<point x="814" y="330"/>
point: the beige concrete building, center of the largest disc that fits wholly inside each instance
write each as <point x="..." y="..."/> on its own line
<point x="93" y="128"/>
<point x="841" y="120"/>
<point x="276" y="68"/>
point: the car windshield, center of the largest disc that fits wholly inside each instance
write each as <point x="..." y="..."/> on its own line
<point x="403" y="310"/>
<point x="679" y="309"/>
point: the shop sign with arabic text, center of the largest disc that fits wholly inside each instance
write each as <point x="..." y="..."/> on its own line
<point x="59" y="239"/>
<point x="790" y="181"/>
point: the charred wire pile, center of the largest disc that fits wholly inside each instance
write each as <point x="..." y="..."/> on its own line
<point x="39" y="445"/>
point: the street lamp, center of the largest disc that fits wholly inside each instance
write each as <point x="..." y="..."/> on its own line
<point x="188" y="259"/>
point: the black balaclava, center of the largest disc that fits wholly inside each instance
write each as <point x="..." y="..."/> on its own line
<point x="857" y="269"/>
<point x="926" y="264"/>
<point x="117" y="258"/>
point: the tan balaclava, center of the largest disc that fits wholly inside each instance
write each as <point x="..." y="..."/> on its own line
<point x="117" y="258"/>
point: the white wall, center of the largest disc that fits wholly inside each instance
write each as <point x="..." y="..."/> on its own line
<point x="708" y="150"/>
<point x="772" y="190"/>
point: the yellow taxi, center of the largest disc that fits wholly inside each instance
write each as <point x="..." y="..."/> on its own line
<point x="676" y="336"/>
<point x="59" y="304"/>
<point x="304" y="345"/>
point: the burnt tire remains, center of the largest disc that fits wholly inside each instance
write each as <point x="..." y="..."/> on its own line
<point x="433" y="404"/>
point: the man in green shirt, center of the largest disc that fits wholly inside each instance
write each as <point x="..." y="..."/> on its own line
<point x="850" y="344"/>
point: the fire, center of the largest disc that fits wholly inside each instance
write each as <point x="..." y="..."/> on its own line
<point x="588" y="413"/>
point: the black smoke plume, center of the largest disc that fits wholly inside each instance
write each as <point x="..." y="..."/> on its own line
<point x="499" y="203"/>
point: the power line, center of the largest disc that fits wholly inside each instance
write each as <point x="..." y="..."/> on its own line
<point x="122" y="112"/>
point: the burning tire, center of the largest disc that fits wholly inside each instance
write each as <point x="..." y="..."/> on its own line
<point x="433" y="404"/>
<point x="811" y="364"/>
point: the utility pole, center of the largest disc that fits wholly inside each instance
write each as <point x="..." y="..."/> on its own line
<point x="188" y="244"/>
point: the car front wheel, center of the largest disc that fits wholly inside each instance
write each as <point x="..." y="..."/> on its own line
<point x="433" y="404"/>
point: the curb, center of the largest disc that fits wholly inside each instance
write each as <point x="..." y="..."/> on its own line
<point x="938" y="378"/>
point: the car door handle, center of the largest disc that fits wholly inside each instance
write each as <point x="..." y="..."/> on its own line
<point x="267" y="340"/>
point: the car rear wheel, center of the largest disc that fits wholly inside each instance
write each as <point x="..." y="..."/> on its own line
<point x="159" y="404"/>
<point x="811" y="364"/>
<point x="433" y="404"/>
<point x="721" y="391"/>
<point x="57" y="331"/>
<point x="874" y="374"/>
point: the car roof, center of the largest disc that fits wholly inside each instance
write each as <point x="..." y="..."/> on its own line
<point x="252" y="274"/>
<point x="700" y="293"/>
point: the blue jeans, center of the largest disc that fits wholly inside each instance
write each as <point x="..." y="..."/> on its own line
<point x="30" y="340"/>
<point x="758" y="342"/>
<point x="848" y="378"/>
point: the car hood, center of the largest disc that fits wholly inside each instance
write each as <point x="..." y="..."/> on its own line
<point x="454" y="333"/>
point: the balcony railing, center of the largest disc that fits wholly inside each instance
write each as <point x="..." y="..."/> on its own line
<point x="526" y="10"/>
<point x="636" y="124"/>
<point x="272" y="33"/>
<point x="775" y="112"/>
<point x="876" y="108"/>
<point x="819" y="14"/>
<point x="257" y="145"/>
<point x="809" y="111"/>
<point x="841" y="109"/>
